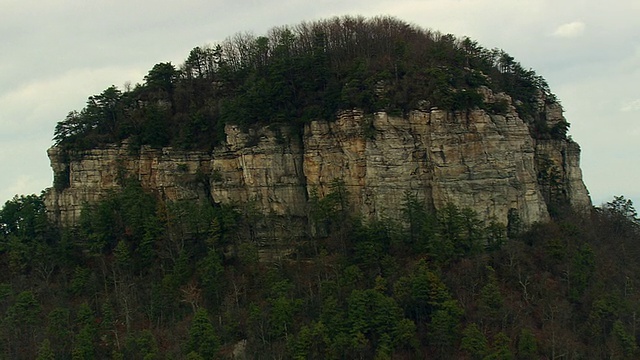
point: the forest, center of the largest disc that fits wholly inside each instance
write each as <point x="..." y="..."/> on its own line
<point x="310" y="71"/>
<point x="143" y="279"/>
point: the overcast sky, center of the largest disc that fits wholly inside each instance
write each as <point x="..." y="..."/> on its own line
<point x="56" y="53"/>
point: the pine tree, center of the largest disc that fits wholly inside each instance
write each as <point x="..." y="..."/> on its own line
<point x="474" y="342"/>
<point x="202" y="337"/>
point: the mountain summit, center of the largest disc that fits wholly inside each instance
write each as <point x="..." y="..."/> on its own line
<point x="383" y="108"/>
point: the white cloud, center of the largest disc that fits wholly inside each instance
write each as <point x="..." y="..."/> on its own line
<point x="25" y="185"/>
<point x="25" y="167"/>
<point x="570" y="30"/>
<point x="631" y="106"/>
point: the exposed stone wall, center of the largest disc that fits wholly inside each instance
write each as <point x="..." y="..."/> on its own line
<point x="488" y="163"/>
<point x="484" y="162"/>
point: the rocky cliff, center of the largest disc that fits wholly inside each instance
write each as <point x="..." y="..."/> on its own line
<point x="487" y="162"/>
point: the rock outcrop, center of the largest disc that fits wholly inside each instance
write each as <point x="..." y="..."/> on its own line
<point x="487" y="162"/>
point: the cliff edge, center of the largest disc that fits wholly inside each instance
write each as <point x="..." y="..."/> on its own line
<point x="487" y="162"/>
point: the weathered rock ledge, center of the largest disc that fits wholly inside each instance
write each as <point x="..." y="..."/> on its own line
<point x="489" y="163"/>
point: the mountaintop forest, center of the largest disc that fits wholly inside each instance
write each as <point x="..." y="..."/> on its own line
<point x="139" y="278"/>
<point x="311" y="71"/>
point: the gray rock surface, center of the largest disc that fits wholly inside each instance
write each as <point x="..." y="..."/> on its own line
<point x="489" y="163"/>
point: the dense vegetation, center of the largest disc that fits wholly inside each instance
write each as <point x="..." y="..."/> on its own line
<point x="141" y="279"/>
<point x="300" y="73"/>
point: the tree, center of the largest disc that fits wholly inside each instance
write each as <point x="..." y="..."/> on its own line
<point x="501" y="348"/>
<point x="143" y="346"/>
<point x="202" y="62"/>
<point x="71" y="128"/>
<point x="622" y="207"/>
<point x="527" y="346"/>
<point x="443" y="330"/>
<point x="45" y="352"/>
<point x="21" y="322"/>
<point x="210" y="270"/>
<point x="83" y="344"/>
<point x="162" y="77"/>
<point x="623" y="215"/>
<point x="581" y="270"/>
<point x="58" y="331"/>
<point x="421" y="224"/>
<point x="490" y="304"/>
<point x="474" y="342"/>
<point x="377" y="320"/>
<point x="496" y="234"/>
<point x="24" y="217"/>
<point x="624" y="339"/>
<point x="202" y="337"/>
<point x="106" y="110"/>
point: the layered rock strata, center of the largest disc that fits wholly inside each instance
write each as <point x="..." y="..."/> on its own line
<point x="489" y="163"/>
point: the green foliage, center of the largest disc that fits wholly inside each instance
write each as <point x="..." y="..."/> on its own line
<point x="143" y="346"/>
<point x="301" y="73"/>
<point x="460" y="233"/>
<point x="210" y="270"/>
<point x="61" y="179"/>
<point x="496" y="234"/>
<point x="25" y="311"/>
<point x="422" y="293"/>
<point x="624" y="339"/>
<point x="491" y="302"/>
<point x="375" y="320"/>
<point x="83" y="344"/>
<point x="501" y="348"/>
<point x="45" y="352"/>
<point x="80" y="280"/>
<point x="527" y="345"/>
<point x="622" y="207"/>
<point x="23" y="217"/>
<point x="552" y="184"/>
<point x="143" y="279"/>
<point x="445" y="322"/>
<point x="422" y="225"/>
<point x="162" y="78"/>
<point x="331" y="211"/>
<point x="202" y="337"/>
<point x="514" y="224"/>
<point x="581" y="270"/>
<point x="474" y="342"/>
<point x="58" y="331"/>
<point x="623" y="216"/>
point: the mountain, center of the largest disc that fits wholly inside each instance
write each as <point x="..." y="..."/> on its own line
<point x="347" y="188"/>
<point x="385" y="108"/>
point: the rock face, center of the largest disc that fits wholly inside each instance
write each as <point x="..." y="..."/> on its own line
<point x="489" y="163"/>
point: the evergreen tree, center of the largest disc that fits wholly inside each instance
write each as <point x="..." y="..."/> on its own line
<point x="474" y="342"/>
<point x="203" y="340"/>
<point x="45" y="352"/>
<point x="527" y="346"/>
<point x="501" y="348"/>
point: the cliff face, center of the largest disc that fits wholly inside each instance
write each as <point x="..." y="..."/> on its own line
<point x="489" y="163"/>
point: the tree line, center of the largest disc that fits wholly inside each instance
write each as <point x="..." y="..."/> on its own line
<point x="295" y="74"/>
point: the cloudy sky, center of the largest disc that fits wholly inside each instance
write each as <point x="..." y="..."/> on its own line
<point x="56" y="53"/>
